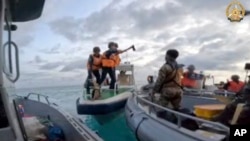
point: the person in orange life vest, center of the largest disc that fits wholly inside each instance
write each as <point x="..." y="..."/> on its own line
<point x="180" y="72"/>
<point x="189" y="77"/>
<point x="235" y="85"/>
<point x="110" y="60"/>
<point x="94" y="65"/>
<point x="109" y="64"/>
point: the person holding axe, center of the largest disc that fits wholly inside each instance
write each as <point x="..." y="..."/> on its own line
<point x="117" y="56"/>
<point x="110" y="60"/>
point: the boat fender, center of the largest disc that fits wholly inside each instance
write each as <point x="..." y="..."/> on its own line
<point x="137" y="128"/>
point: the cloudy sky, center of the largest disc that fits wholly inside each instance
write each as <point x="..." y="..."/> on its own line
<point x="54" y="48"/>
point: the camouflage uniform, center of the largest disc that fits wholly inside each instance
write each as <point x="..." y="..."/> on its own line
<point x="167" y="84"/>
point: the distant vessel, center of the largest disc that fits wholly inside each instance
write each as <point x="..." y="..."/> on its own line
<point x="15" y="110"/>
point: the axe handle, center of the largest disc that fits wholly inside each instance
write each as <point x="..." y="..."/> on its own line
<point x="131" y="47"/>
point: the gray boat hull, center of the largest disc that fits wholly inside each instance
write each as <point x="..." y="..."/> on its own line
<point x="147" y="128"/>
<point x="73" y="132"/>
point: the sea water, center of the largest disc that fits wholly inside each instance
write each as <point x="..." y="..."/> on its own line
<point x="113" y="130"/>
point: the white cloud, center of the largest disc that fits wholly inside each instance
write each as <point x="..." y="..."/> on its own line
<point x="198" y="29"/>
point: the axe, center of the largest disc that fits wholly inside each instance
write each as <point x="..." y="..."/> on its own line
<point x="131" y="47"/>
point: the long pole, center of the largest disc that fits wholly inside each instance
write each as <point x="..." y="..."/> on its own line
<point x="246" y="76"/>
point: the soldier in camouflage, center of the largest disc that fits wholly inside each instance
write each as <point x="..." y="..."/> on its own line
<point x="167" y="82"/>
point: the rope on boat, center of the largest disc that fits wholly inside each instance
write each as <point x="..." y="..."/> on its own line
<point x="137" y="128"/>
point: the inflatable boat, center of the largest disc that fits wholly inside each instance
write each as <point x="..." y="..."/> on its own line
<point x="110" y="100"/>
<point x="141" y="118"/>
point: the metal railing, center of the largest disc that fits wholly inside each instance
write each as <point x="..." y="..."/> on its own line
<point x="180" y="115"/>
<point x="85" y="95"/>
<point x="39" y="98"/>
<point x="209" y="92"/>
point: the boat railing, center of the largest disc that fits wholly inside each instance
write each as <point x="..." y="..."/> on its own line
<point x="180" y="115"/>
<point x="114" y="91"/>
<point x="39" y="96"/>
<point x="202" y="92"/>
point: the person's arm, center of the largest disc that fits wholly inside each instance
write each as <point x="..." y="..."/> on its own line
<point x="90" y="61"/>
<point x="121" y="51"/>
<point x="110" y="52"/>
<point x="125" y="50"/>
<point x="163" y="72"/>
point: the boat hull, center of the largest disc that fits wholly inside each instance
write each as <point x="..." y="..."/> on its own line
<point x="102" y="107"/>
<point x="73" y="128"/>
<point x="148" y="128"/>
<point x="99" y="109"/>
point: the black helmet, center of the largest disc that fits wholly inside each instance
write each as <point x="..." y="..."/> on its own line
<point x="112" y="44"/>
<point x="173" y="53"/>
<point x="235" y="77"/>
<point x="96" y="49"/>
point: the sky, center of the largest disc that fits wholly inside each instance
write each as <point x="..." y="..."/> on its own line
<point x="54" y="48"/>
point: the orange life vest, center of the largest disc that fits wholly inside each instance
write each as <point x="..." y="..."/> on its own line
<point x="97" y="63"/>
<point x="187" y="82"/>
<point x="108" y="62"/>
<point x="235" y="87"/>
<point x="180" y="76"/>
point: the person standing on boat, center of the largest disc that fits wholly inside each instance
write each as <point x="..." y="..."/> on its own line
<point x="108" y="64"/>
<point x="150" y="84"/>
<point x="189" y="77"/>
<point x="110" y="60"/>
<point x="94" y="65"/>
<point x="235" y="85"/>
<point x="166" y="83"/>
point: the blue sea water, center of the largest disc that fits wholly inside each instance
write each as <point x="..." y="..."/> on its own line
<point x="114" y="130"/>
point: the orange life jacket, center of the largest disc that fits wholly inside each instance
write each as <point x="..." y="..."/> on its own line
<point x="117" y="60"/>
<point x="180" y="76"/>
<point x="109" y="62"/>
<point x="187" y="82"/>
<point x="97" y="63"/>
<point x="235" y="87"/>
